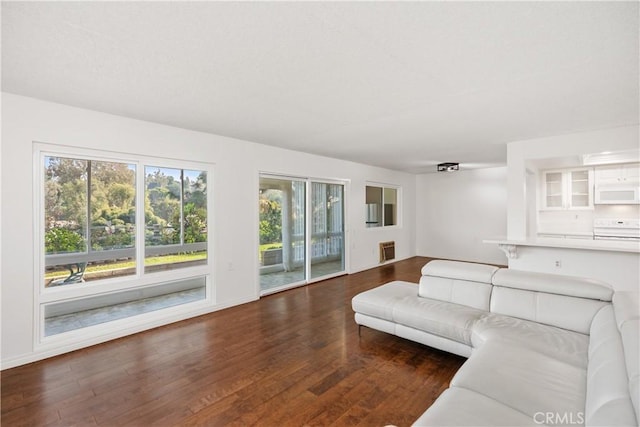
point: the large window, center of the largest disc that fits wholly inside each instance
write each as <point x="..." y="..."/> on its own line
<point x="90" y="220"/>
<point x="176" y="218"/>
<point x="381" y="206"/>
<point x="120" y="237"/>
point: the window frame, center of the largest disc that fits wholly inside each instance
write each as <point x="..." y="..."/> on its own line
<point x="87" y="254"/>
<point x="309" y="180"/>
<point x="383" y="187"/>
<point x="139" y="280"/>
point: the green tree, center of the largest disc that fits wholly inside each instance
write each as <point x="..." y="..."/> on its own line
<point x="121" y="196"/>
<point x="195" y="224"/>
<point x="65" y="193"/>
<point x="110" y="173"/>
<point x="165" y="196"/>
<point x="112" y="204"/>
<point x="196" y="191"/>
<point x="270" y="220"/>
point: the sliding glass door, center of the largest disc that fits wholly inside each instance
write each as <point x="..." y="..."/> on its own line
<point x="301" y="231"/>
<point x="327" y="229"/>
<point x="282" y="232"/>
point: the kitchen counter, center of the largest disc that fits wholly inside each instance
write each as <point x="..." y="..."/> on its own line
<point x="565" y="234"/>
<point x="510" y="246"/>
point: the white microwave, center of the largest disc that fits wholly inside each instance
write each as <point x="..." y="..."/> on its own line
<point x="617" y="195"/>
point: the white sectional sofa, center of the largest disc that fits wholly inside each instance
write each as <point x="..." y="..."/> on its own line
<point x="542" y="349"/>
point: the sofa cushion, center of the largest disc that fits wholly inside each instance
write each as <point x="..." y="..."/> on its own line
<point x="608" y="401"/>
<point x="525" y="380"/>
<point x="461" y="407"/>
<point x="481" y="273"/>
<point x="445" y="319"/>
<point x="462" y="283"/>
<point x="553" y="284"/>
<point x="379" y="302"/>
<point x="565" y="312"/>
<point x="433" y="341"/>
<point x="464" y="292"/>
<point x="572" y="347"/>
<point x="627" y="312"/>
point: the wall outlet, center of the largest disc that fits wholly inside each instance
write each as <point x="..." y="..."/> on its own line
<point x="558" y="263"/>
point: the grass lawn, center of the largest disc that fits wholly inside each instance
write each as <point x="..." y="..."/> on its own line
<point x="270" y="246"/>
<point x="164" y="259"/>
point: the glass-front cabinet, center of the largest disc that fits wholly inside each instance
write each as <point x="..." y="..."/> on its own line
<point x="580" y="189"/>
<point x="567" y="189"/>
<point x="554" y="193"/>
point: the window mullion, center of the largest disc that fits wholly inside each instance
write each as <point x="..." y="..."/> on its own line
<point x="88" y="229"/>
<point x="140" y="218"/>
<point x="182" y="207"/>
<point x="383" y="221"/>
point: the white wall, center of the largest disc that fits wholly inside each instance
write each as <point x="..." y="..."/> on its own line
<point x="237" y="165"/>
<point x="619" y="269"/>
<point x="456" y="211"/>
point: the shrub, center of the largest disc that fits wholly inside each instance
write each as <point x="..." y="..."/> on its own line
<point x="60" y="239"/>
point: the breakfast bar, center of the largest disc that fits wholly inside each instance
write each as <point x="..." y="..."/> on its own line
<point x="614" y="261"/>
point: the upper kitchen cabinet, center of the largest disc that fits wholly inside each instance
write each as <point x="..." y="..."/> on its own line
<point x="618" y="184"/>
<point x="567" y="189"/>
<point x="626" y="174"/>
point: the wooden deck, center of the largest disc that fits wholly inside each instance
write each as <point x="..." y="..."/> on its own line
<point x="290" y="359"/>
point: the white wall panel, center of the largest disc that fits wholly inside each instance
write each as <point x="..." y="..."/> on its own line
<point x="456" y="211"/>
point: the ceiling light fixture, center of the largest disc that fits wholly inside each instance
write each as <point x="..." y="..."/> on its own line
<point x="448" y="167"/>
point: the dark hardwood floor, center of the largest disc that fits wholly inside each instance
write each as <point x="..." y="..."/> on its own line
<point x="290" y="359"/>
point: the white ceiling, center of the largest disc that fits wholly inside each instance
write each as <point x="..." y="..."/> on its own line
<point x="403" y="85"/>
